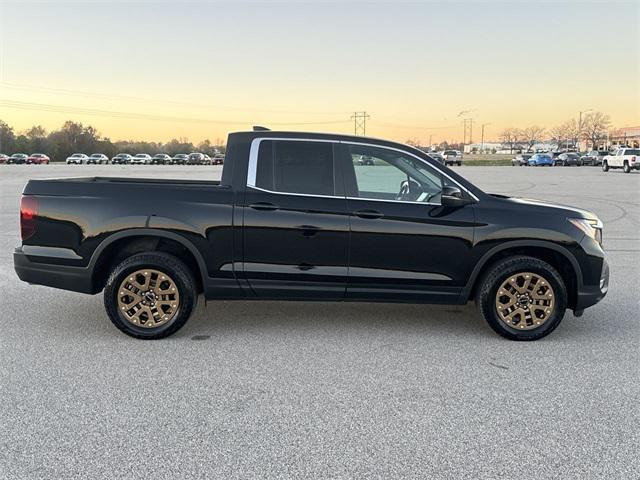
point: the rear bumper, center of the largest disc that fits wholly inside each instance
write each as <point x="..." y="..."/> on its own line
<point x="589" y="295"/>
<point x="76" y="279"/>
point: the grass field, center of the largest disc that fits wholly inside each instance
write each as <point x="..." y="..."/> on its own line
<point x="487" y="159"/>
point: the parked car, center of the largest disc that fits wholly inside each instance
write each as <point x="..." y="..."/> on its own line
<point x="160" y="159"/>
<point x="218" y="159"/>
<point x="97" y="158"/>
<point x="452" y="157"/>
<point x="179" y="159"/>
<point x="365" y="160"/>
<point x="437" y="156"/>
<point x="206" y="160"/>
<point x="38" y="159"/>
<point x="540" y="160"/>
<point x="3" y="158"/>
<point x="308" y="227"/>
<point x="625" y="158"/>
<point x="568" y="159"/>
<point x="141" y="159"/>
<point x="195" y="159"/>
<point x="18" y="158"/>
<point x="521" y="160"/>
<point x="594" y="157"/>
<point x="77" y="158"/>
<point x="122" y="159"/>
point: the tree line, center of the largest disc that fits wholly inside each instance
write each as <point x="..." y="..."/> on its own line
<point x="74" y="137"/>
<point x="592" y="129"/>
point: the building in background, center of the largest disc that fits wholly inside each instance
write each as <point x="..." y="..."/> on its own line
<point x="629" y="136"/>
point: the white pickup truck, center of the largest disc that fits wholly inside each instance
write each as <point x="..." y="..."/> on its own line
<point x="625" y="158"/>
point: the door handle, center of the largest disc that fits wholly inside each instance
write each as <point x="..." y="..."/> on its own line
<point x="370" y="214"/>
<point x="265" y="206"/>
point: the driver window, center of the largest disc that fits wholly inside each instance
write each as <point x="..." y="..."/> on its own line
<point x="383" y="174"/>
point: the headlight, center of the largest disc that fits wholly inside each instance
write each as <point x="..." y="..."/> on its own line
<point x="591" y="227"/>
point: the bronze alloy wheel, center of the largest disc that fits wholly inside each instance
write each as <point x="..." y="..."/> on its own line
<point x="148" y="298"/>
<point x="525" y="301"/>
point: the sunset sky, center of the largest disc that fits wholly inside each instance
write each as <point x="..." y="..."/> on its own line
<point x="159" y="70"/>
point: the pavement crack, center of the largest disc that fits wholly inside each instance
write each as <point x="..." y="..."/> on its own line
<point x="498" y="366"/>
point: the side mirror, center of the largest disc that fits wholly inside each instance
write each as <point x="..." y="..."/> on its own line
<point x="452" y="197"/>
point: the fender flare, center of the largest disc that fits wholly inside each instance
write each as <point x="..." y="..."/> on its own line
<point x="150" y="232"/>
<point x="466" y="291"/>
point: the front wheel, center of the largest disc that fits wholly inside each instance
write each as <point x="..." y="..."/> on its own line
<point x="522" y="298"/>
<point x="626" y="168"/>
<point x="150" y="295"/>
<point x="605" y="166"/>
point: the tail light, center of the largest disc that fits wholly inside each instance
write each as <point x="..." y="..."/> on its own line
<point x="633" y="159"/>
<point x="28" y="213"/>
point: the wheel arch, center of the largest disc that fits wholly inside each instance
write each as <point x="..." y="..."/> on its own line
<point x="118" y="246"/>
<point x="558" y="257"/>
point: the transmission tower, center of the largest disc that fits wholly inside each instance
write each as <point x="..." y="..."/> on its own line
<point x="359" y="123"/>
<point x="468" y="127"/>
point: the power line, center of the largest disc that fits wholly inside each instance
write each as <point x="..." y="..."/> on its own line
<point x="45" y="107"/>
<point x="109" y="96"/>
<point x="395" y="125"/>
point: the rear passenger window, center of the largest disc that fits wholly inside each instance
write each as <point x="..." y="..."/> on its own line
<point x="296" y="167"/>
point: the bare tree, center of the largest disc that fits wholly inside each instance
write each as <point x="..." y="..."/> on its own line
<point x="511" y="136"/>
<point x="559" y="134"/>
<point x="532" y="135"/>
<point x="566" y="134"/>
<point x="573" y="131"/>
<point x="594" y="128"/>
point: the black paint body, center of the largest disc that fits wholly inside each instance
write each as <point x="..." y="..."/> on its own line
<point x="248" y="243"/>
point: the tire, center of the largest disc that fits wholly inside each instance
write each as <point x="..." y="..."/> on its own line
<point x="459" y="164"/>
<point x="180" y="278"/>
<point x="605" y="166"/>
<point x="500" y="272"/>
<point x="626" y="168"/>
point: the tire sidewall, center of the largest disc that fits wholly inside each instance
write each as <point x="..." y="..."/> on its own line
<point x="488" y="295"/>
<point x="167" y="264"/>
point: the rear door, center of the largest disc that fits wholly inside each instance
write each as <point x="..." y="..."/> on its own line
<point x="404" y="245"/>
<point x="295" y="219"/>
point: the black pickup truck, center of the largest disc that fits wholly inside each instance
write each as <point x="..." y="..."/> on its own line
<point x="297" y="216"/>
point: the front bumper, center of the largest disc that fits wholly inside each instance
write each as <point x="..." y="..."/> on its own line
<point x="76" y="279"/>
<point x="589" y="295"/>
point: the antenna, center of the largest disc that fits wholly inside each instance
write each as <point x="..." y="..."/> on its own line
<point x="258" y="128"/>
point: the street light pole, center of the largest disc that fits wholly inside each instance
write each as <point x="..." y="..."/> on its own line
<point x="482" y="137"/>
<point x="580" y="124"/>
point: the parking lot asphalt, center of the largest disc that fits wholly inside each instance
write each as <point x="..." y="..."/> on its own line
<point x="312" y="390"/>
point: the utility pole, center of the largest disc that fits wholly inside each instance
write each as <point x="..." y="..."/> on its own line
<point x="482" y="138"/>
<point x="359" y="123"/>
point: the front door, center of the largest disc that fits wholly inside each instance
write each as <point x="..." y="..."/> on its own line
<point x="404" y="244"/>
<point x="296" y="224"/>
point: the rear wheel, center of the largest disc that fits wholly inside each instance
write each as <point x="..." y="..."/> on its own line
<point x="522" y="298"/>
<point x="150" y="295"/>
<point x="605" y="166"/>
<point x="626" y="168"/>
